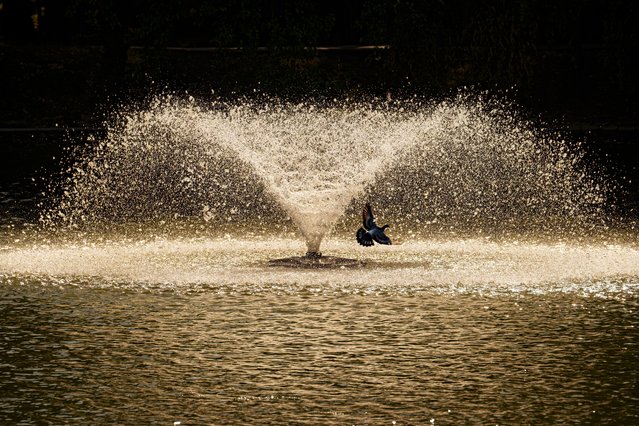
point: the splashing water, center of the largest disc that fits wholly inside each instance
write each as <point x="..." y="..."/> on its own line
<point x="456" y="166"/>
<point x="156" y="280"/>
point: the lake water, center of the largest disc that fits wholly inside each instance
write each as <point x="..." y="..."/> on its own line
<point x="202" y="331"/>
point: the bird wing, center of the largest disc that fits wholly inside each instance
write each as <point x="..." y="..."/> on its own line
<point x="381" y="238"/>
<point x="367" y="217"/>
<point x="364" y="238"/>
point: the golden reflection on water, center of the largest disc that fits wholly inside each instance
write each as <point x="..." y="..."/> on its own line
<point x="204" y="332"/>
<point x="77" y="355"/>
<point x="462" y="266"/>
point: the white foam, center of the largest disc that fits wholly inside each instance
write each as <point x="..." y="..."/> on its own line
<point x="461" y="266"/>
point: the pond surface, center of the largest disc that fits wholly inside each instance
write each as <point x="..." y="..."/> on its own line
<point x="203" y="331"/>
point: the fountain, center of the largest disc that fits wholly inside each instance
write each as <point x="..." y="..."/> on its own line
<point x="161" y="271"/>
<point x="272" y="168"/>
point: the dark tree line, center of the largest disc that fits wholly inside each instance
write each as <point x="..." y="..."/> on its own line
<point x="568" y="46"/>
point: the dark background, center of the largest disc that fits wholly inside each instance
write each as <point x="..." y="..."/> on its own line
<point x="67" y="61"/>
<point x="65" y="64"/>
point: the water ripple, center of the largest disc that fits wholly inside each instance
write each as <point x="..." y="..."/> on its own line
<point x="77" y="355"/>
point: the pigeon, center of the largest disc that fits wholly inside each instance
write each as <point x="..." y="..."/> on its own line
<point x="370" y="231"/>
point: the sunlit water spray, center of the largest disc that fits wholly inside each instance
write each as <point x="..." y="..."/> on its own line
<point x="427" y="168"/>
<point x="251" y="174"/>
<point x="151" y="279"/>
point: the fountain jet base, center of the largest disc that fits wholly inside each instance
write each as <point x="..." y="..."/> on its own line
<point x="315" y="260"/>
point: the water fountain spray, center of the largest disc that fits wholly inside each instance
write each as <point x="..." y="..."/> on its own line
<point x="253" y="167"/>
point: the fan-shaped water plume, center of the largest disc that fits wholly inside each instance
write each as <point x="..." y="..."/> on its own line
<point x="458" y="164"/>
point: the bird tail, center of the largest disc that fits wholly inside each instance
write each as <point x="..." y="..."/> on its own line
<point x="364" y="238"/>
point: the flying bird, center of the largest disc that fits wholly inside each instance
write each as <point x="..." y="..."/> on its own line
<point x="370" y="231"/>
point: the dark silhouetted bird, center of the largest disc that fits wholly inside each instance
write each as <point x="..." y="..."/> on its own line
<point x="370" y="231"/>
